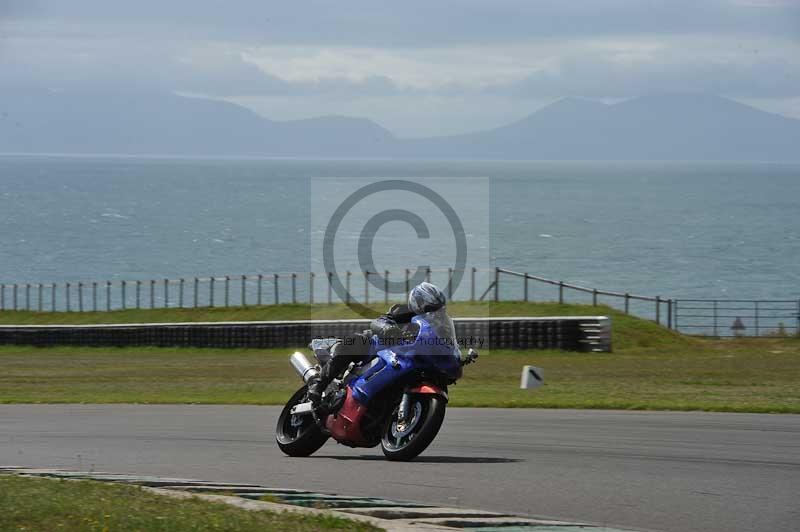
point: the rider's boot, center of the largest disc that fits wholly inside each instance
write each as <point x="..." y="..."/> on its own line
<point x="315" y="388"/>
<point x="317" y="385"/>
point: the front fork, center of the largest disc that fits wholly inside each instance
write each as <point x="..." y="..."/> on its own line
<point x="402" y="412"/>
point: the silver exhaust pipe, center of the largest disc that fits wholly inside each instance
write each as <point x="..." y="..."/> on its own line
<point x="302" y="366"/>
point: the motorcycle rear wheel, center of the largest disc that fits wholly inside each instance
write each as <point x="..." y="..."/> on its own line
<point x="402" y="444"/>
<point x="298" y="435"/>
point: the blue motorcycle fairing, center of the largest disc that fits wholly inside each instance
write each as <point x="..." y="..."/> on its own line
<point x="428" y="352"/>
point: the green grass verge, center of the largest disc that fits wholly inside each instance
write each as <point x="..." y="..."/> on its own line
<point x="48" y="504"/>
<point x="650" y="368"/>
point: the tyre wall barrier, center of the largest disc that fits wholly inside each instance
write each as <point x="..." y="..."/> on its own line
<point x="571" y="333"/>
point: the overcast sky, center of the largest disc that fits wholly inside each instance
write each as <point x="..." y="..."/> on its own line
<point x="417" y="67"/>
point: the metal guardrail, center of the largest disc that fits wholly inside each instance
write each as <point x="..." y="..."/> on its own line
<point x="738" y="317"/>
<point x="662" y="309"/>
<point x="225" y="291"/>
<point x="478" y="284"/>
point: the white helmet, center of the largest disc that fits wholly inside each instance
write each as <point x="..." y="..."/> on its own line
<point x="425" y="297"/>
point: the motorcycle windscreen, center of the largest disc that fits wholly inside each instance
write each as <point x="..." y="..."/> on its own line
<point x="437" y="341"/>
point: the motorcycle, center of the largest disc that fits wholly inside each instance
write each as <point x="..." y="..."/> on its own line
<point x="397" y="398"/>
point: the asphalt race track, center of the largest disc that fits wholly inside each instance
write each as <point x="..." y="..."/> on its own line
<point x="646" y="470"/>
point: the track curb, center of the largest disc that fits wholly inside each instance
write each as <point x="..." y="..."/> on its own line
<point x="392" y="516"/>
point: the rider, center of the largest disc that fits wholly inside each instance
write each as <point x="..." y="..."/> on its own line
<point x="424" y="297"/>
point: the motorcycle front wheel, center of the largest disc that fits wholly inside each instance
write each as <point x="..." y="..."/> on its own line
<point x="405" y="441"/>
<point x="298" y="435"/>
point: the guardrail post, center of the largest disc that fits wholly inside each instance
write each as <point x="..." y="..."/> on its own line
<point x="347" y="287"/>
<point x="40" y="297"/>
<point x="677" y="326"/>
<point x="196" y="287"/>
<point x="66" y="292"/>
<point x="594" y="297"/>
<point x="108" y="295"/>
<point x="244" y="290"/>
<point x="386" y="287"/>
<point x="496" y="283"/>
<point x="449" y="284"/>
<point x="311" y="287"/>
<point x="94" y="296"/>
<point x="53" y="296"/>
<point x="669" y="313"/>
<point x="258" y="290"/>
<point x="294" y="288"/>
<point x="798" y="318"/>
<point x="627" y="302"/>
<point x="561" y="292"/>
<point x="180" y="293"/>
<point x="472" y="284"/>
<point x="211" y="291"/>
<point x="715" y="318"/>
<point x="27" y="296"/>
<point x="138" y="295"/>
<point x="408" y="281"/>
<point x="2" y="296"/>
<point x="755" y="316"/>
<point x="366" y="287"/>
<point x="658" y="310"/>
<point x="166" y="293"/>
<point x="152" y="293"/>
<point x="428" y="274"/>
<point x="15" y="297"/>
<point x="525" y="285"/>
<point x="330" y="287"/>
<point x="80" y="297"/>
<point x="122" y="289"/>
<point x="227" y="289"/>
<point x="275" y="279"/>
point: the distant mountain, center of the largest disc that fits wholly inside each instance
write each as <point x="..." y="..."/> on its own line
<point x="44" y="121"/>
<point x="659" y="127"/>
<point x="656" y="127"/>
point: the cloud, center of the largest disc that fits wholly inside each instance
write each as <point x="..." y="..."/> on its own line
<point x="751" y="69"/>
<point x="420" y="23"/>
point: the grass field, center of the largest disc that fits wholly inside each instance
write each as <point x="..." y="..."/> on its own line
<point x="650" y="368"/>
<point x="48" y="504"/>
